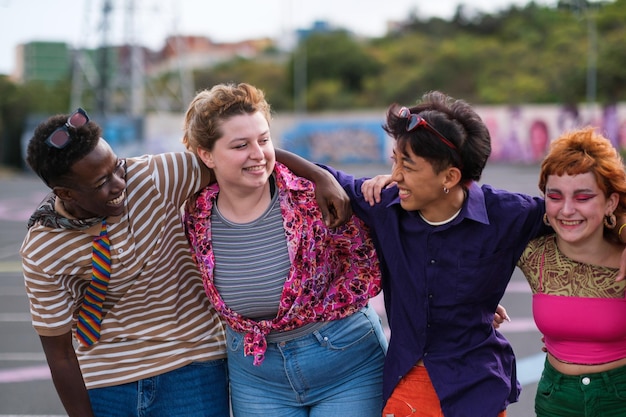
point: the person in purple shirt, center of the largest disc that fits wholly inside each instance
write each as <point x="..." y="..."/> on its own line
<point x="447" y="248"/>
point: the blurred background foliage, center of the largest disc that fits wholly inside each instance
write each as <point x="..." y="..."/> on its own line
<point x="530" y="54"/>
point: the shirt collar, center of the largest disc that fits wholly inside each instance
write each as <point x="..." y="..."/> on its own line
<point x="474" y="207"/>
<point x="284" y="178"/>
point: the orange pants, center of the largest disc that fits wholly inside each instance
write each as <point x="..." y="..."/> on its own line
<point x="415" y="396"/>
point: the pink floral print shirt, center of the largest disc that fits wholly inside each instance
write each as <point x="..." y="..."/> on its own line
<point x="334" y="272"/>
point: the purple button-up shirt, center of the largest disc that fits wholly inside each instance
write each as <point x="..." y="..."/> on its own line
<point x="442" y="285"/>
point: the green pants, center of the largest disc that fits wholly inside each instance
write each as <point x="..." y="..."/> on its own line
<point x="601" y="394"/>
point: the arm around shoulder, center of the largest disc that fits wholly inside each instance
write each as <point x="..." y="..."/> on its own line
<point x="331" y="198"/>
<point x="301" y="167"/>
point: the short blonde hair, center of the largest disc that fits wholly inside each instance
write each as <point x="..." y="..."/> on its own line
<point x="210" y="108"/>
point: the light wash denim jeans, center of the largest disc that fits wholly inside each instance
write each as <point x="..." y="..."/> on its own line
<point x="199" y="389"/>
<point x="336" y="371"/>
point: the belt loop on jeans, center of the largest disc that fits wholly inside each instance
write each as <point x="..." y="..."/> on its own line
<point x="322" y="340"/>
<point x="557" y="378"/>
<point x="609" y="386"/>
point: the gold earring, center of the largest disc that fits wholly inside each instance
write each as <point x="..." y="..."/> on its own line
<point x="610" y="221"/>
<point x="545" y="219"/>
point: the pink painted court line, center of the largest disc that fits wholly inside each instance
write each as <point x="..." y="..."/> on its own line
<point x="32" y="373"/>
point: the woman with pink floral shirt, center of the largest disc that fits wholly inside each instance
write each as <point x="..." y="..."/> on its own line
<point x="302" y="340"/>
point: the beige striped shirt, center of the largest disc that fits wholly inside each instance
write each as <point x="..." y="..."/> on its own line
<point x="157" y="316"/>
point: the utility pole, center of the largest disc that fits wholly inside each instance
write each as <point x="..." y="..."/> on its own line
<point x="83" y="68"/>
<point x="102" y="99"/>
<point x="137" y="89"/>
<point x="300" y="78"/>
<point x="111" y="80"/>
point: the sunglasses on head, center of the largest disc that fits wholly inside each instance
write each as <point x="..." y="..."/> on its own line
<point x="61" y="136"/>
<point x="414" y="121"/>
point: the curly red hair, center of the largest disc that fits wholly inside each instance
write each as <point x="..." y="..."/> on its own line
<point x="585" y="150"/>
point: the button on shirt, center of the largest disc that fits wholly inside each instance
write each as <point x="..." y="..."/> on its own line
<point x="442" y="285"/>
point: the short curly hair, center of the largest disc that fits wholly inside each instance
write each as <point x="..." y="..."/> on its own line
<point x="585" y="150"/>
<point x="210" y="108"/>
<point x="53" y="165"/>
<point x="457" y="121"/>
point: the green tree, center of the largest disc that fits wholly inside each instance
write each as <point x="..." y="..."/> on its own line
<point x="611" y="25"/>
<point x="267" y="73"/>
<point x="14" y="107"/>
<point x="330" y="58"/>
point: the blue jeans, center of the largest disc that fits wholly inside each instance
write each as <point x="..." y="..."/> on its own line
<point x="336" y="371"/>
<point x="199" y="389"/>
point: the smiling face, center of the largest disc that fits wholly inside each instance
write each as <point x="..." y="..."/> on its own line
<point x="419" y="186"/>
<point x="576" y="207"/>
<point x="96" y="184"/>
<point x="243" y="158"/>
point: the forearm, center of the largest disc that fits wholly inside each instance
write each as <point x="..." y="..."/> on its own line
<point x="301" y="167"/>
<point x="66" y="376"/>
<point x="71" y="389"/>
<point x="333" y="201"/>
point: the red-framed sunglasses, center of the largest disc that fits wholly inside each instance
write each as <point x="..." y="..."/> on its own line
<point x="414" y="121"/>
<point x="61" y="136"/>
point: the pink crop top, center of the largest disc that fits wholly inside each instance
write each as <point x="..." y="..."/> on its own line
<point x="581" y="330"/>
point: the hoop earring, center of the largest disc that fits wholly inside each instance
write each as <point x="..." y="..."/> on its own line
<point x="445" y="190"/>
<point x="610" y="221"/>
<point x="545" y="219"/>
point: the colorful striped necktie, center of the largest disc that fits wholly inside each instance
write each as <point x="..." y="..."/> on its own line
<point x="90" y="314"/>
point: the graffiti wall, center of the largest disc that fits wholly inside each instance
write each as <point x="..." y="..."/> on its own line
<point x="523" y="133"/>
<point x="332" y="142"/>
<point x="519" y="134"/>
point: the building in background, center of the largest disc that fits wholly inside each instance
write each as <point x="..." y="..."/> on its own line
<point x="48" y="62"/>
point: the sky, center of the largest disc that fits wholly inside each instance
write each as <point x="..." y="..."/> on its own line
<point x="79" y="22"/>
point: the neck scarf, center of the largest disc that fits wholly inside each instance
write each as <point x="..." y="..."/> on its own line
<point x="48" y="217"/>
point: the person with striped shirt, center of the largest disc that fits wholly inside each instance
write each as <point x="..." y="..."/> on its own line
<point x="161" y="348"/>
<point x="293" y="293"/>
